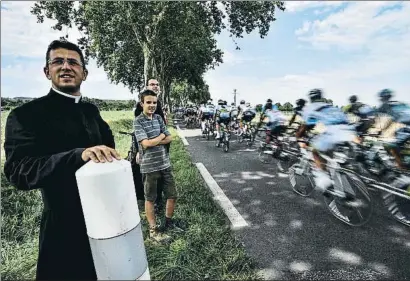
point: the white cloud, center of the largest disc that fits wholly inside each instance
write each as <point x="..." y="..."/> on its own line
<point x="297" y="6"/>
<point x="382" y="39"/>
<point x="22" y="36"/>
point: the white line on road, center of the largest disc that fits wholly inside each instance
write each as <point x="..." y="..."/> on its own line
<point x="181" y="135"/>
<point x="245" y="150"/>
<point x="231" y="212"/>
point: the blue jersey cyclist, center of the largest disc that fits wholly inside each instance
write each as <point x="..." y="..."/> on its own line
<point x="337" y="131"/>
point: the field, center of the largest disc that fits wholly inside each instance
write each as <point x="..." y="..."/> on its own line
<point x="207" y="250"/>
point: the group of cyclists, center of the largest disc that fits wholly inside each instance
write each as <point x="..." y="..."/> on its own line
<point x="336" y="121"/>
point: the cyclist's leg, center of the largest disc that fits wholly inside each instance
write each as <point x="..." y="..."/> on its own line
<point x="218" y="127"/>
<point x="203" y="123"/>
<point x="401" y="136"/>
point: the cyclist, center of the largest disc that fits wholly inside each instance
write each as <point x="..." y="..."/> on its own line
<point x="268" y="104"/>
<point x="364" y="113"/>
<point x="248" y="114"/>
<point x="337" y="131"/>
<point x="206" y="113"/>
<point x="276" y="121"/>
<point x="400" y="113"/>
<point x="190" y="112"/>
<point x="222" y="116"/>
<point x="297" y="111"/>
<point x="234" y="115"/>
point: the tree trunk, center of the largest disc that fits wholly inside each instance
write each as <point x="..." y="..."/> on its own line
<point x="149" y="64"/>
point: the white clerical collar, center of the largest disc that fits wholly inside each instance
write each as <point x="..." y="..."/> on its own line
<point x="76" y="98"/>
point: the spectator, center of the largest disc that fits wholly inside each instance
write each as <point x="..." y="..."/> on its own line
<point x="46" y="141"/>
<point x="152" y="136"/>
<point x="154" y="85"/>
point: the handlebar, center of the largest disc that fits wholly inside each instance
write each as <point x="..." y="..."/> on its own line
<point x="125" y="133"/>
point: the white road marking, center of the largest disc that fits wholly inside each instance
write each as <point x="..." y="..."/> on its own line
<point x="181" y="135"/>
<point x="231" y="212"/>
<point x="246" y="150"/>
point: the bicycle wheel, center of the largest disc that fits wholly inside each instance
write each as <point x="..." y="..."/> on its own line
<point x="398" y="207"/>
<point x="226" y="146"/>
<point x="265" y="154"/>
<point x="301" y="181"/>
<point x="285" y="160"/>
<point x="354" y="212"/>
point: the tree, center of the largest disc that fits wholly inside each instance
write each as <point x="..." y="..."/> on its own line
<point x="287" y="107"/>
<point x="135" y="41"/>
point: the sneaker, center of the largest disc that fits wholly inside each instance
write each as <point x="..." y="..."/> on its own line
<point x="157" y="236"/>
<point x="173" y="225"/>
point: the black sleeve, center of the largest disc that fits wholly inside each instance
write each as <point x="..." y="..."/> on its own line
<point x="159" y="110"/>
<point x="25" y="168"/>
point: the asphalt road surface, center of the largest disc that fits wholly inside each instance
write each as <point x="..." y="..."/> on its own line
<point x="292" y="237"/>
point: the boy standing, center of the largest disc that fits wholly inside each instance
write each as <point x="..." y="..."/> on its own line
<point x="152" y="136"/>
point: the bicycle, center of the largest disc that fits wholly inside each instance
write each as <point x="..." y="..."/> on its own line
<point x="132" y="152"/>
<point x="283" y="148"/>
<point x="348" y="198"/>
<point x="248" y="133"/>
<point x="377" y="170"/>
<point x="131" y="157"/>
<point x="224" y="138"/>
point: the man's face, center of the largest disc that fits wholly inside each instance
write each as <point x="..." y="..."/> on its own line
<point x="149" y="105"/>
<point x="153" y="85"/>
<point x="65" y="70"/>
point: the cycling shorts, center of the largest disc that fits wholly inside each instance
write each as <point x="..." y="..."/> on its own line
<point x="334" y="135"/>
<point x="222" y="120"/>
<point x="207" y="116"/>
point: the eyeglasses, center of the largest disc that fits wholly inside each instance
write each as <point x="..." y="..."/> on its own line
<point x="61" y="61"/>
<point x="153" y="84"/>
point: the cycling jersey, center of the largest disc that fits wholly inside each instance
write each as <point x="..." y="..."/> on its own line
<point x="248" y="114"/>
<point x="360" y="109"/>
<point x="207" y="112"/>
<point x="323" y="112"/>
<point x="337" y="128"/>
<point x="275" y="117"/>
<point x="399" y="112"/>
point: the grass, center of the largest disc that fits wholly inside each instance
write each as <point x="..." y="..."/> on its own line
<point x="207" y="250"/>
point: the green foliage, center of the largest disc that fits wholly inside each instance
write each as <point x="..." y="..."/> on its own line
<point x="172" y="41"/>
<point x="258" y="108"/>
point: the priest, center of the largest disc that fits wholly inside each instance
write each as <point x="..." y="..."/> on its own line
<point x="46" y="141"/>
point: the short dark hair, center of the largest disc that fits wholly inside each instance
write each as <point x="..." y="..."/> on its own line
<point x="150" y="79"/>
<point x="64" y="44"/>
<point x="146" y="93"/>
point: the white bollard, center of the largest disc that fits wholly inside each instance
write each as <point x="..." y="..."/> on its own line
<point x="112" y="218"/>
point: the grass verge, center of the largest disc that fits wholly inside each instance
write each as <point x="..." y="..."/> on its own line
<point x="207" y="250"/>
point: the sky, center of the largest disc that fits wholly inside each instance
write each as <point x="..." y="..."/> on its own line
<point x="342" y="47"/>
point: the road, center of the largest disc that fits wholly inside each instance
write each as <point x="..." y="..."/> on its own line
<point x="291" y="237"/>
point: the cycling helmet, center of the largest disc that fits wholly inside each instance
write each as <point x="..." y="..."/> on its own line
<point x="220" y="102"/>
<point x="300" y="102"/>
<point x="315" y="94"/>
<point x="209" y="102"/>
<point x="248" y="104"/>
<point x="353" y="99"/>
<point x="269" y="101"/>
<point x="385" y="94"/>
<point x="242" y="101"/>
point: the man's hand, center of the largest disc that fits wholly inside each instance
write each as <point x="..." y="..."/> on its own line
<point x="100" y="154"/>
